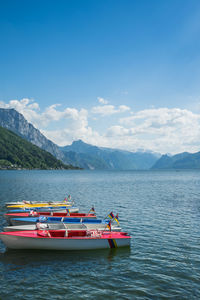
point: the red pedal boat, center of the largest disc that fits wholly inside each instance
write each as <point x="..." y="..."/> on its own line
<point x="64" y="239"/>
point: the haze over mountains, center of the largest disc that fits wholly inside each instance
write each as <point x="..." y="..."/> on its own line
<point x="183" y="160"/>
<point x="92" y="157"/>
<point x="106" y="158"/>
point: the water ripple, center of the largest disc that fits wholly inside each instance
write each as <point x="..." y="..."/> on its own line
<point x="161" y="211"/>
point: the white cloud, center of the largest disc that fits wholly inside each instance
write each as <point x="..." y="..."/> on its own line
<point x="103" y="110"/>
<point x="72" y="123"/>
<point x="107" y="110"/>
<point x="123" y="108"/>
<point x="161" y="118"/>
<point x="102" y="100"/>
<point x="67" y="135"/>
<point x="117" y="131"/>
<point x="19" y="105"/>
<point x="163" y="130"/>
<point x="25" y="106"/>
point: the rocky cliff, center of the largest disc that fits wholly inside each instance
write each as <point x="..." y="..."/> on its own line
<point x="14" y="121"/>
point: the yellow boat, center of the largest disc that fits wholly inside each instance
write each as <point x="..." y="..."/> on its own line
<point x="39" y="204"/>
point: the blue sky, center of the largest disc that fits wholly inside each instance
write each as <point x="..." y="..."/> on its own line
<point x="117" y="73"/>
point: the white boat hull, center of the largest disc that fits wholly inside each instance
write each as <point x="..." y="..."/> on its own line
<point x="20" y="242"/>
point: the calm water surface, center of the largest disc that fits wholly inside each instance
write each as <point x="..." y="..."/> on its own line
<point x="161" y="211"/>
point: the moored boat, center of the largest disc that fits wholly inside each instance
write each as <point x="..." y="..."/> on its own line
<point x="64" y="239"/>
<point x="61" y="225"/>
<point x="60" y="209"/>
<point x="10" y="216"/>
<point x="67" y="200"/>
<point x="46" y="219"/>
<point x="24" y="202"/>
<point x="38" y="204"/>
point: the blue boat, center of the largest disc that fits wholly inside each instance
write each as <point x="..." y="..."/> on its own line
<point x="43" y="219"/>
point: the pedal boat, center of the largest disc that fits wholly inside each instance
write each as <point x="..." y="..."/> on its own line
<point x="60" y="209"/>
<point x="61" y="225"/>
<point x="46" y="219"/>
<point x="10" y="216"/>
<point x="64" y="239"/>
<point x="38" y="204"/>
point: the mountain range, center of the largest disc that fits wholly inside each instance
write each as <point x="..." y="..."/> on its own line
<point x="86" y="156"/>
<point x="79" y="153"/>
<point x="183" y="160"/>
<point x="93" y="157"/>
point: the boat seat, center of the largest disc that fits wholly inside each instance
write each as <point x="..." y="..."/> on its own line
<point x="72" y="233"/>
<point x="57" y="233"/>
<point x="57" y="226"/>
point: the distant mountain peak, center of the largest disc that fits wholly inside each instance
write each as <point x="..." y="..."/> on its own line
<point x="79" y="146"/>
<point x="93" y="157"/>
<point x="79" y="142"/>
<point x="182" y="160"/>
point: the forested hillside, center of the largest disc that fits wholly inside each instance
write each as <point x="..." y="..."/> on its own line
<point x="16" y="152"/>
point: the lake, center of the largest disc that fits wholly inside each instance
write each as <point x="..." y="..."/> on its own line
<point x="159" y="209"/>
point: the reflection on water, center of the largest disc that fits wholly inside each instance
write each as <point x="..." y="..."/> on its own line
<point x="26" y="257"/>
